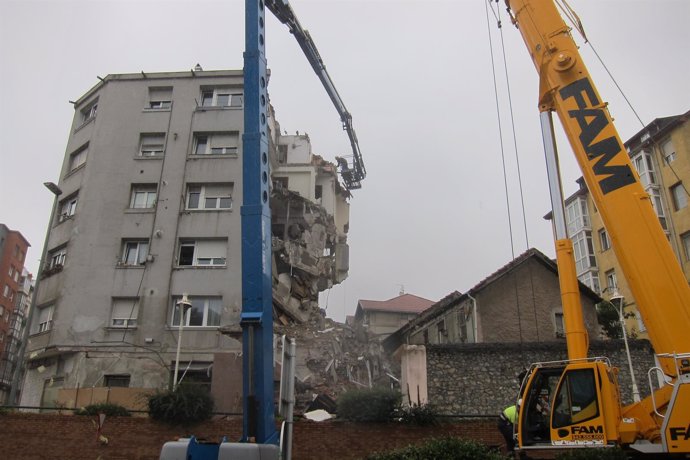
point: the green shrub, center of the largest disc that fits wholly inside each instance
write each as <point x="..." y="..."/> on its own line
<point x="109" y="409"/>
<point x="442" y="449"/>
<point x="187" y="404"/>
<point x="611" y="453"/>
<point x="370" y="405"/>
<point x="418" y="414"/>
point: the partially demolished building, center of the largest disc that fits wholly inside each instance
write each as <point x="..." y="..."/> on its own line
<point x="149" y="211"/>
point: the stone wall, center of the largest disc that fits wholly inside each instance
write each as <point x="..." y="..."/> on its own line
<point x="481" y="379"/>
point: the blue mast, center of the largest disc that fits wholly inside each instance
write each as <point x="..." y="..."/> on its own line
<point x="257" y="307"/>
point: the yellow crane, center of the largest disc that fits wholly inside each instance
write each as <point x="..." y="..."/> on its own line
<point x="576" y="402"/>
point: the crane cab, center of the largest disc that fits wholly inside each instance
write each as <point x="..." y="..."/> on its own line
<point x="568" y="403"/>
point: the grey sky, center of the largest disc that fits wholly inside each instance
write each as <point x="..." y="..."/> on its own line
<point x="416" y="76"/>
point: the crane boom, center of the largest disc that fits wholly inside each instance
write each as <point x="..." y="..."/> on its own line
<point x="352" y="175"/>
<point x="576" y="402"/>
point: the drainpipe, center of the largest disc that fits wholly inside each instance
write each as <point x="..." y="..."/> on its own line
<point x="474" y="317"/>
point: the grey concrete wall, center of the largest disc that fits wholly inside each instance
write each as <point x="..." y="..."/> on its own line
<point x="481" y="378"/>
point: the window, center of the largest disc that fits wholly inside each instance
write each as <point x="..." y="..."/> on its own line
<point x="68" y="207"/>
<point x="134" y="252"/>
<point x="221" y="97"/>
<point x="152" y="145"/>
<point x="576" y="400"/>
<point x="6" y="291"/>
<point x="577" y="216"/>
<point x="611" y="283"/>
<point x="668" y="152"/>
<point x="197" y="373"/>
<point x="685" y="239"/>
<point x="124" y="313"/>
<point x="658" y="206"/>
<point x="559" y="324"/>
<point x="118" y="380"/>
<point x="11" y="271"/>
<point x="209" y="196"/>
<point x="205" y="312"/>
<point x="160" y="98"/>
<point x="89" y="112"/>
<point x="645" y="168"/>
<point x="57" y="257"/>
<point x="680" y="196"/>
<point x="215" y="143"/>
<point x="604" y="240"/>
<point x="640" y="324"/>
<point x="591" y="280"/>
<point x="584" y="252"/>
<point x="202" y="252"/>
<point x="44" y="320"/>
<point x="143" y="196"/>
<point x="78" y="158"/>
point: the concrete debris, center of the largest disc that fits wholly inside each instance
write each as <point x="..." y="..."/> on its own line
<point x="331" y="359"/>
<point x="306" y="259"/>
<point x="318" y="415"/>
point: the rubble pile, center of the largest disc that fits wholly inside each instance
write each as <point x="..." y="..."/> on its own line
<point x="331" y="359"/>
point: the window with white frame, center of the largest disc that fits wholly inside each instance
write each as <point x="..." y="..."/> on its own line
<point x="216" y="143"/>
<point x="640" y="324"/>
<point x="209" y="196"/>
<point x="668" y="151"/>
<point x="89" y="112"/>
<point x="134" y="252"/>
<point x="143" y="196"/>
<point x="685" y="239"/>
<point x="584" y="251"/>
<point x="611" y="282"/>
<point x="655" y="196"/>
<point x="68" y="207"/>
<point x="202" y="253"/>
<point x="6" y="291"/>
<point x="204" y="312"/>
<point x="57" y="257"/>
<point x="78" y="158"/>
<point x="221" y="97"/>
<point x="124" y="312"/>
<point x="591" y="280"/>
<point x="645" y="168"/>
<point x="151" y="144"/>
<point x="44" y="319"/>
<point x="11" y="271"/>
<point x="160" y="98"/>
<point x="577" y="217"/>
<point x="604" y="240"/>
<point x="680" y="196"/>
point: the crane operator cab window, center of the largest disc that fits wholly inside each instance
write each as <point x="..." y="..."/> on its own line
<point x="538" y="400"/>
<point x="576" y="401"/>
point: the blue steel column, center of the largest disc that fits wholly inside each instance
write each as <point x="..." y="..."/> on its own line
<point x="257" y="309"/>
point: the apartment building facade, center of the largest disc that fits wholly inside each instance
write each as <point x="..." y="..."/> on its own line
<point x="660" y="153"/>
<point x="150" y="211"/>
<point x="13" y="249"/>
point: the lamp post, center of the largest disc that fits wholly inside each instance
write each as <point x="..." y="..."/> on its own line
<point x="183" y="306"/>
<point x="19" y="365"/>
<point x="618" y="301"/>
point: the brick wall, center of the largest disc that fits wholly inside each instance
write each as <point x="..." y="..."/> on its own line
<point x="480" y="379"/>
<point x="50" y="436"/>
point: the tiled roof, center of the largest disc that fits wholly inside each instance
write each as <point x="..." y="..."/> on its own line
<point x="406" y="303"/>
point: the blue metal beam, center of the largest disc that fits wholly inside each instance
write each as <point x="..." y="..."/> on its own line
<point x="257" y="308"/>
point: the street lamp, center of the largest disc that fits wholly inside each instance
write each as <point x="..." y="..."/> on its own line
<point x="183" y="306"/>
<point x="19" y="366"/>
<point x="618" y="301"/>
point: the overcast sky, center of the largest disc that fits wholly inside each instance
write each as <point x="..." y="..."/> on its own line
<point x="417" y="78"/>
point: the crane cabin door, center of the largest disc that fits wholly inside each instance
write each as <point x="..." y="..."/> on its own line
<point x="577" y="416"/>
